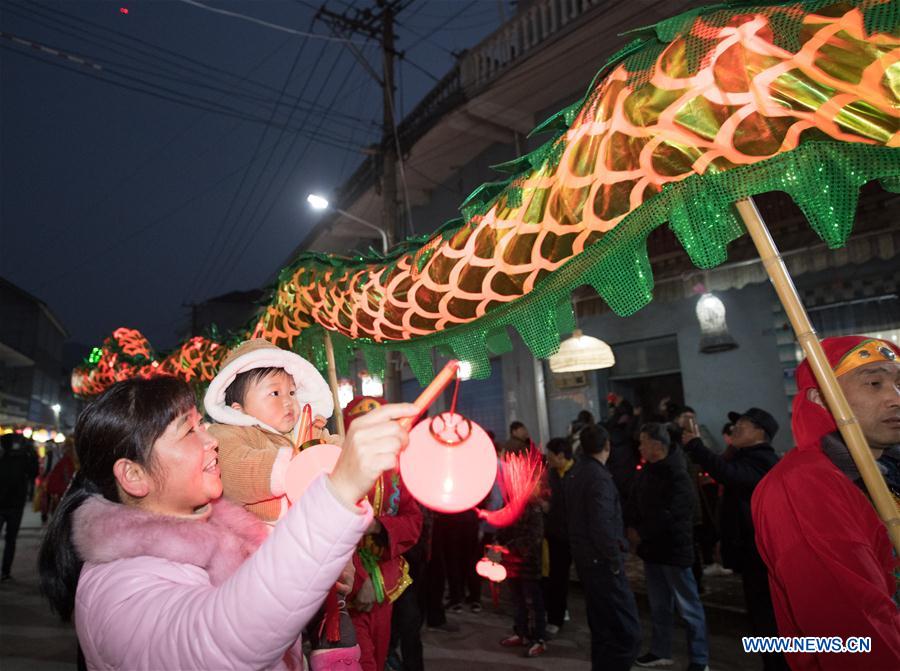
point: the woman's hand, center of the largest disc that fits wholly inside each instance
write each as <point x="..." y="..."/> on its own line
<point x="370" y="448"/>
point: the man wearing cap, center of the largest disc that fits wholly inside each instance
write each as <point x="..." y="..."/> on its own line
<point x="754" y="456"/>
<point x="830" y="560"/>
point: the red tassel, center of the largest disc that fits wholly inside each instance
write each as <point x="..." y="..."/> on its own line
<point x="332" y="619"/>
<point x="518" y="475"/>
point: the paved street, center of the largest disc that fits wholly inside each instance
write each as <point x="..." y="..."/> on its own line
<point x="31" y="639"/>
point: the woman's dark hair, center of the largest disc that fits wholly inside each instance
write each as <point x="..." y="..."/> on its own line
<point x="560" y="446"/>
<point x="122" y="423"/>
<point x="237" y="390"/>
<point x="594" y="439"/>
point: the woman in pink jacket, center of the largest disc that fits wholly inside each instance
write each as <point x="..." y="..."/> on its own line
<point x="162" y="574"/>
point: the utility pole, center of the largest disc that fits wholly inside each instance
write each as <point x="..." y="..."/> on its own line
<point x="378" y="24"/>
<point x="389" y="217"/>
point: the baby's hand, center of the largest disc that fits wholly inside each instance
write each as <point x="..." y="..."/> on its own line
<point x="345" y="582"/>
<point x="332" y="438"/>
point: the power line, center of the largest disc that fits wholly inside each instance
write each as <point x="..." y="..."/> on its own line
<point x="164" y="93"/>
<point x="249" y="239"/>
<point x="140" y="50"/>
<point x="231" y="92"/>
<point x="267" y="24"/>
<point x="95" y="257"/>
<point x="418" y="67"/>
<point x="78" y="60"/>
<point x="424" y="39"/>
<point x="389" y="97"/>
<point x="363" y="103"/>
<point x="485" y="8"/>
<point x="441" y="25"/>
<point x="115" y="189"/>
<point x="200" y="280"/>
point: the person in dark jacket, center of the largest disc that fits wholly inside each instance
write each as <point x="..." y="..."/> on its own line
<point x="660" y="519"/>
<point x="556" y="584"/>
<point x="754" y="457"/>
<point x="519" y="439"/>
<point x="18" y="465"/>
<point x="623" y="456"/>
<point x="598" y="543"/>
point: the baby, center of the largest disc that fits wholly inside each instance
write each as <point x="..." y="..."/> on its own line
<point x="257" y="399"/>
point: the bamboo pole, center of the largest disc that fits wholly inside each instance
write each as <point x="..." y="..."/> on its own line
<point x="834" y="395"/>
<point x="333" y="383"/>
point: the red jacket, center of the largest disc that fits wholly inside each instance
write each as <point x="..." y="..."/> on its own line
<point x="401" y="519"/>
<point x="399" y="515"/>
<point x="831" y="565"/>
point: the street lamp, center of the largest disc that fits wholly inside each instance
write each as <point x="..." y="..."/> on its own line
<point x="56" y="408"/>
<point x="318" y="202"/>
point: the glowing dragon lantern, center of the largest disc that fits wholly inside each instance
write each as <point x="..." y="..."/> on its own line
<point x="127" y="353"/>
<point x="697" y="112"/>
<point x="124" y="354"/>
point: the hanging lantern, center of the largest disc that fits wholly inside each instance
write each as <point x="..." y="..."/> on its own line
<point x="714" y="335"/>
<point x="307" y="466"/>
<point x="371" y="385"/>
<point x="491" y="570"/>
<point x="345" y="393"/>
<point x="581" y="352"/>
<point x="450" y="463"/>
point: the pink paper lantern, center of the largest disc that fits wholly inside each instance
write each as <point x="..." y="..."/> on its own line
<point x="307" y="466"/>
<point x="450" y="464"/>
<point x="491" y="570"/>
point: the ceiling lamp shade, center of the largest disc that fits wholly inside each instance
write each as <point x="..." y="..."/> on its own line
<point x="714" y="335"/>
<point x="581" y="352"/>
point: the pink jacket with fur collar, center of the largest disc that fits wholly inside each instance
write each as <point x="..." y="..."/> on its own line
<point x="161" y="592"/>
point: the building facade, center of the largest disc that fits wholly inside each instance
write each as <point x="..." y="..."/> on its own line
<point x="33" y="379"/>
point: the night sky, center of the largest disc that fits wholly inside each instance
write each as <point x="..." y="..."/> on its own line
<point x="120" y="207"/>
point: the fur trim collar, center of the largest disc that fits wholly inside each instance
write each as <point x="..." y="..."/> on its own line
<point x="104" y="531"/>
<point x="258" y="353"/>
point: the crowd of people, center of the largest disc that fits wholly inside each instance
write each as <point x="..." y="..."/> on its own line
<point x="347" y="576"/>
<point x="813" y="556"/>
<point x="30" y="473"/>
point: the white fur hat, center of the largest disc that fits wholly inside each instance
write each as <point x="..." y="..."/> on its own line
<point x="259" y="353"/>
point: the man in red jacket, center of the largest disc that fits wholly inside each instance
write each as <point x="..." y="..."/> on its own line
<point x="382" y="573"/>
<point x="830" y="561"/>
